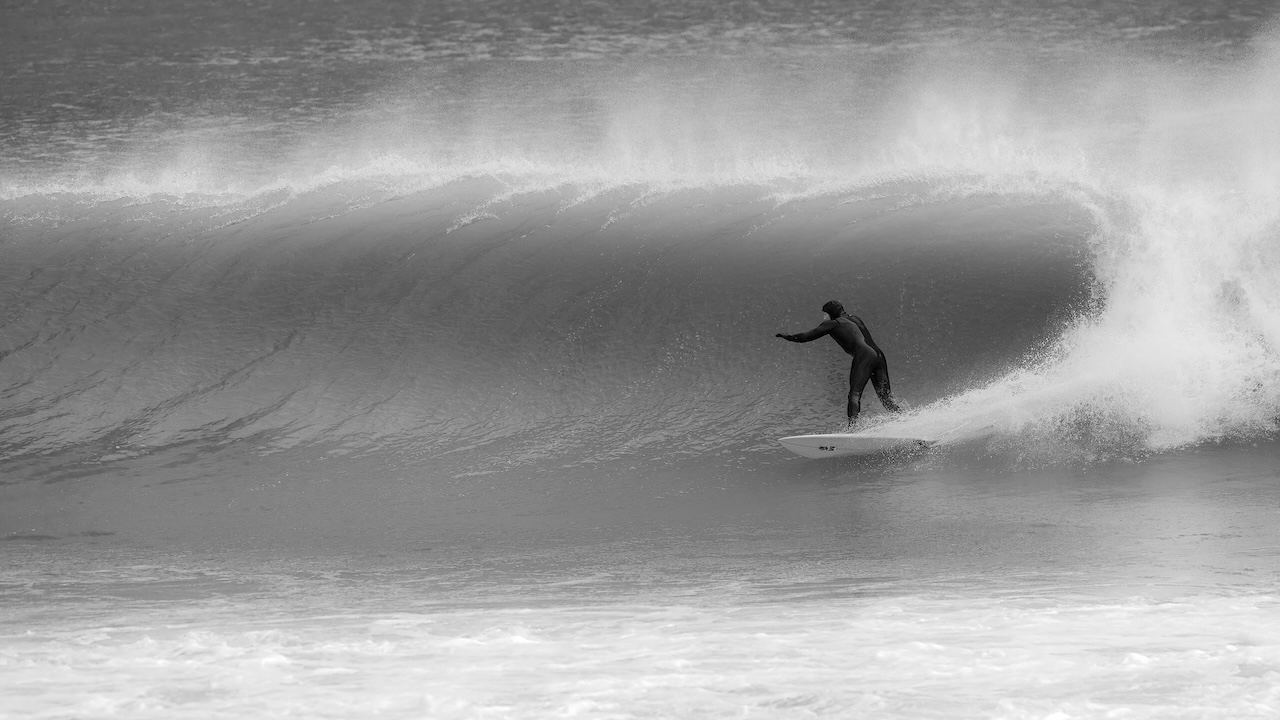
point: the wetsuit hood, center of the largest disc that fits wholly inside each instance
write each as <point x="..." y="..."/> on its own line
<point x="833" y="308"/>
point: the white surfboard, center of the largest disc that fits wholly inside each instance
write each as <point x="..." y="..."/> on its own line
<point x="846" y="445"/>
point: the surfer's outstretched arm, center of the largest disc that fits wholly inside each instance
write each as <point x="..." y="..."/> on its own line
<point x="821" y="331"/>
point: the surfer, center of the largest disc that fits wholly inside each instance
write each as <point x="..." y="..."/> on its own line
<point x="868" y="359"/>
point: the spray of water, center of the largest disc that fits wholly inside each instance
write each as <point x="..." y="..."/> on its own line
<point x="1184" y="348"/>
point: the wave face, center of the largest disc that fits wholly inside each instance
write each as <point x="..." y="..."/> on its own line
<point x="619" y="322"/>
<point x="497" y="263"/>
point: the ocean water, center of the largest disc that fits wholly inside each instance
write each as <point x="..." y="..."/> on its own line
<point x="417" y="360"/>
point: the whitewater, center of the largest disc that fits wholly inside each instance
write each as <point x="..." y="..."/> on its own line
<point x="385" y="359"/>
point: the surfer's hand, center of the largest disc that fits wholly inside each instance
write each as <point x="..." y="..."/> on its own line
<point x="784" y="337"/>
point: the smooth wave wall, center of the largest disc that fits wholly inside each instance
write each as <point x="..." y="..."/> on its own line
<point x="621" y="322"/>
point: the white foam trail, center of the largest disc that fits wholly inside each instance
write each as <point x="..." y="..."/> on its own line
<point x="1187" y="256"/>
<point x="958" y="653"/>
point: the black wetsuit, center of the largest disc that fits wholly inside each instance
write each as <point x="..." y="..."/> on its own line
<point x="869" y="362"/>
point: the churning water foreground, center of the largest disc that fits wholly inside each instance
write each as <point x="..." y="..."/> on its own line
<point x="385" y="359"/>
